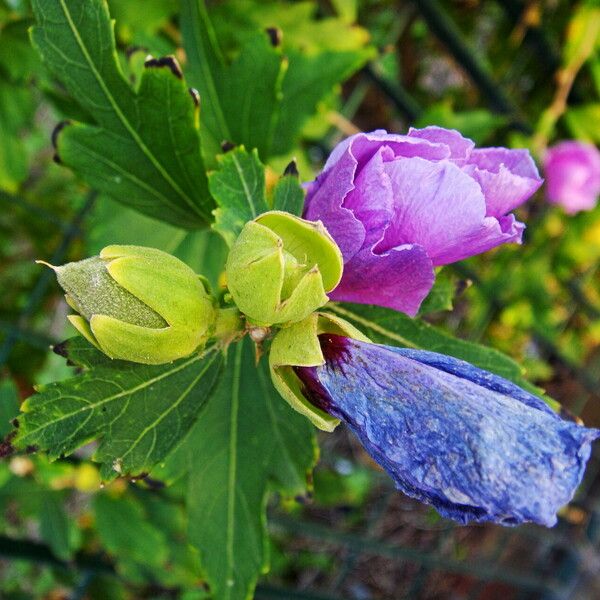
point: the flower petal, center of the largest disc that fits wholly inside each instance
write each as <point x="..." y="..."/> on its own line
<point x="450" y="437"/>
<point x="573" y="172"/>
<point x="507" y="178"/>
<point x="460" y="147"/>
<point x="324" y="202"/>
<point x="437" y="206"/>
<point x="371" y="200"/>
<point x="399" y="278"/>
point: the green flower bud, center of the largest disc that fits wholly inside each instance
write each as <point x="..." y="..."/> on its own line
<point x="280" y="268"/>
<point x="138" y="304"/>
<point x="298" y="346"/>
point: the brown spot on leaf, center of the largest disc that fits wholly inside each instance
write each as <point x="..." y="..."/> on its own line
<point x="165" y="61"/>
<point x="275" y="36"/>
<point x="6" y="446"/>
<point x="60" y="349"/>
<point x="292" y="169"/>
<point x="195" y="96"/>
<point x="56" y="131"/>
<point x="226" y="146"/>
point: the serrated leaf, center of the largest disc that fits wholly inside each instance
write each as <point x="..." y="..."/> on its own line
<point x="139" y="413"/>
<point x="288" y="195"/>
<point x="248" y="441"/>
<point x="240" y="101"/>
<point x="322" y="52"/>
<point x="143" y="147"/>
<point x="276" y="99"/>
<point x="308" y="80"/>
<point x="238" y="187"/>
<point x="386" y="326"/>
<point x="304" y="24"/>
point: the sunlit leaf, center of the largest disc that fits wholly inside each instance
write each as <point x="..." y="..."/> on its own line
<point x="137" y="412"/>
<point x="238" y="187"/>
<point x="143" y="146"/>
<point x="247" y="442"/>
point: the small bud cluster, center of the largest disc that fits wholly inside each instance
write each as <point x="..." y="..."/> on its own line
<point x="144" y="305"/>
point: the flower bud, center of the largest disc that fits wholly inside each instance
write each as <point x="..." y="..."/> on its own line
<point x="280" y="268"/>
<point x="298" y="346"/>
<point x="138" y="304"/>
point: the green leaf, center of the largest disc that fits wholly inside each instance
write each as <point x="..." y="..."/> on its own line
<point x="143" y="148"/>
<point x="387" y="326"/>
<point x="309" y="79"/>
<point x="441" y="295"/>
<point x="125" y="531"/>
<point x="277" y="95"/>
<point x="17" y="107"/>
<point x="304" y="25"/>
<point x="584" y="122"/>
<point x="18" y="60"/>
<point x="56" y="528"/>
<point x="246" y="443"/>
<point x="288" y="194"/>
<point x="130" y="19"/>
<point x="478" y="124"/>
<point x="583" y="35"/>
<point x="239" y="190"/>
<point x="9" y="405"/>
<point x="138" y="412"/>
<point x="240" y="101"/>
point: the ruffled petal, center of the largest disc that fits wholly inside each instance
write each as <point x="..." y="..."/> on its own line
<point x="400" y="279"/>
<point x="364" y="145"/>
<point x="324" y="202"/>
<point x="492" y="233"/>
<point x="437" y="206"/>
<point x="371" y="200"/>
<point x="507" y="178"/>
<point x="460" y="147"/>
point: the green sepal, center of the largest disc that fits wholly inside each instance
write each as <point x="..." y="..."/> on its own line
<point x="119" y="339"/>
<point x="138" y="304"/>
<point x="281" y="267"/>
<point x="175" y="292"/>
<point x="83" y="327"/>
<point x="298" y="346"/>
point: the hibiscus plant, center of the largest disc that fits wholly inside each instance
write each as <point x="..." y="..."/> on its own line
<point x="296" y="304"/>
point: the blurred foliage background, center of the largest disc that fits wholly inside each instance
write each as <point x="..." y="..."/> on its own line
<point x="511" y="72"/>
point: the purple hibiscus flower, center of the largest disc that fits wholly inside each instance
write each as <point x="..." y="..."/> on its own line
<point x="400" y="205"/>
<point x="572" y="170"/>
<point x="471" y="444"/>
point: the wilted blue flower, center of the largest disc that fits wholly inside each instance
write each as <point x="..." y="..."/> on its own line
<point x="473" y="445"/>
